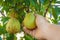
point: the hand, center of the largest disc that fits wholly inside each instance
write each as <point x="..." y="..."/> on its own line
<point x="37" y="33"/>
<point x="44" y="29"/>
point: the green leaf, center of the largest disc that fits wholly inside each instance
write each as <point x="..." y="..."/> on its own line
<point x="27" y="2"/>
<point x="10" y="3"/>
<point x="45" y="2"/>
<point x="54" y="1"/>
<point x="37" y="7"/>
<point x="57" y="10"/>
<point x="42" y="10"/>
<point x="21" y="16"/>
<point x="0" y="38"/>
<point x="28" y="37"/>
<point x="2" y="30"/>
<point x="5" y="6"/>
<point x="59" y="17"/>
<point x="1" y="1"/>
<point x="54" y="21"/>
<point x="32" y="3"/>
<point x="42" y="1"/>
<point x="54" y="13"/>
<point x="58" y="2"/>
<point x="10" y="36"/>
<point x="4" y="19"/>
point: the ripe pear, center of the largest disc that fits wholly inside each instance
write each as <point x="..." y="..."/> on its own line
<point x="29" y="21"/>
<point x="13" y="26"/>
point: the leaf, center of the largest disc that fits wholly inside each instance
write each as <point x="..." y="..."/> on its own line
<point x="4" y="19"/>
<point x="32" y="3"/>
<point x="54" y="1"/>
<point x="58" y="2"/>
<point x="0" y="38"/>
<point x="54" y="21"/>
<point x="5" y="6"/>
<point x="59" y="18"/>
<point x="21" y="16"/>
<point x="10" y="36"/>
<point x="57" y="10"/>
<point x="28" y="37"/>
<point x="42" y="10"/>
<point x="37" y="7"/>
<point x="10" y="3"/>
<point x="54" y="13"/>
<point x="42" y="1"/>
<point x="1" y="1"/>
<point x="27" y="2"/>
<point x="2" y="30"/>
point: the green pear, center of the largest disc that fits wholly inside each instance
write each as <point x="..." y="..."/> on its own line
<point x="13" y="26"/>
<point x="29" y="21"/>
<point x="12" y="14"/>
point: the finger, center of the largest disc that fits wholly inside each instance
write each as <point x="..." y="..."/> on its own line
<point x="26" y="30"/>
<point x="34" y="33"/>
<point x="31" y="32"/>
<point x="38" y="18"/>
<point x="36" y="15"/>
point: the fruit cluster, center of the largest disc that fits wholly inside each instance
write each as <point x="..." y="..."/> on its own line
<point x="13" y="25"/>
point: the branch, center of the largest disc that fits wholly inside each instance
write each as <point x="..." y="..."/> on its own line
<point x="47" y="8"/>
<point x="2" y="14"/>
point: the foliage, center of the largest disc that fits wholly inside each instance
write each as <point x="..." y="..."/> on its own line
<point x="21" y="7"/>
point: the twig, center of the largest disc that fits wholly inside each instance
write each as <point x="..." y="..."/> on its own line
<point x="2" y="14"/>
<point x="47" y="8"/>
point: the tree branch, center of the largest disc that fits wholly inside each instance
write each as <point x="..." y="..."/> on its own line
<point x="47" y="8"/>
<point x="2" y="14"/>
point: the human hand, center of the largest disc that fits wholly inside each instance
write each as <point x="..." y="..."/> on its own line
<point x="44" y="29"/>
<point x="37" y="33"/>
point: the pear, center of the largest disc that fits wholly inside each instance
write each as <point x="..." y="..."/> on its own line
<point x="13" y="26"/>
<point x="12" y="14"/>
<point x="29" y="21"/>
